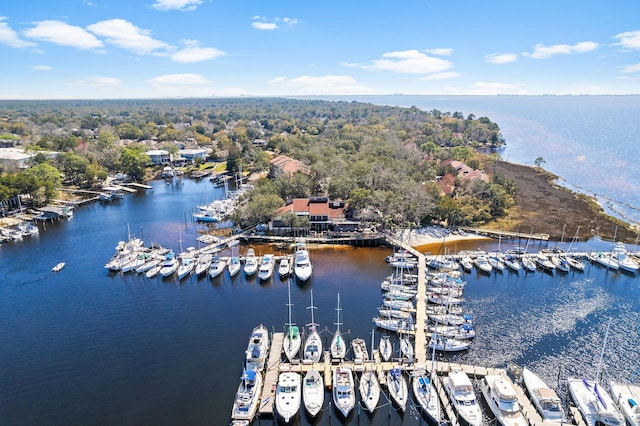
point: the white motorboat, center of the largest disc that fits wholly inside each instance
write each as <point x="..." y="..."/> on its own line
<point x="450" y="319"/>
<point x="284" y="267"/>
<point x="385" y="347"/>
<point x="169" y="267"/>
<point x="395" y="313"/>
<point x="234" y="266"/>
<point x="496" y="262"/>
<point x="338" y="345"/>
<point x="394" y="324"/>
<point x="398" y="388"/>
<point x="256" y="353"/>
<point x="467" y="263"/>
<point x="482" y="263"/>
<point x="625" y="262"/>
<point x="529" y="264"/>
<point x="216" y="268"/>
<point x="560" y="263"/>
<point x="186" y="264"/>
<point x="456" y="332"/>
<point x="265" y="270"/>
<point x="626" y="396"/>
<point x="302" y="264"/>
<point x="250" y="262"/>
<point x="247" y="397"/>
<point x="288" y="396"/>
<point x="313" y="392"/>
<point x="360" y="352"/>
<point x="426" y="395"/>
<point x="344" y="395"/>
<point x="595" y="404"/>
<point x="544" y="263"/>
<point x="292" y="340"/>
<point x="203" y="263"/>
<point x="543" y="397"/>
<point x="147" y="265"/>
<point x="445" y="344"/>
<point x="501" y="397"/>
<point x="460" y="391"/>
<point x="512" y="262"/>
<point x="312" y="350"/>
<point x="153" y="271"/>
<point x="58" y="267"/>
<point x="575" y="263"/>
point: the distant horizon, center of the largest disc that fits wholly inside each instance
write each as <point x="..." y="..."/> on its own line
<point x="118" y="49"/>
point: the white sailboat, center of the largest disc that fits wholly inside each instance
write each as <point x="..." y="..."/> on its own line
<point x="595" y="405"/>
<point x="626" y="396"/>
<point x="313" y="344"/>
<point x="292" y="340"/>
<point x="426" y="395"/>
<point x="398" y="388"/>
<point x="385" y="347"/>
<point x="245" y="403"/>
<point x="369" y="385"/>
<point x="288" y="396"/>
<point x="344" y="396"/>
<point x="543" y="397"/>
<point x="256" y="353"/>
<point x="313" y="392"/>
<point x="338" y="346"/>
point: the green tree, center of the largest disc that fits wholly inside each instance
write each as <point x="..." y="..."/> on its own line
<point x="41" y="182"/>
<point x="539" y="162"/>
<point x="134" y="162"/>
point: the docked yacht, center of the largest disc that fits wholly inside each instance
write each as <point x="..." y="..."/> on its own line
<point x="426" y="395"/>
<point x="234" y="266"/>
<point x="203" y="263"/>
<point x="313" y="392"/>
<point x="216" y="268"/>
<point x="247" y="397"/>
<point x="250" y="262"/>
<point x="288" y="396"/>
<point x="543" y="397"/>
<point x="302" y="264"/>
<point x="256" y="353"/>
<point x="460" y="391"/>
<point x="344" y="394"/>
<point x="284" y="268"/>
<point x="501" y="397"/>
<point x="265" y="270"/>
<point x="483" y="265"/>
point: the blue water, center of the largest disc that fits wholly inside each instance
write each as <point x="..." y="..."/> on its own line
<point x="87" y="347"/>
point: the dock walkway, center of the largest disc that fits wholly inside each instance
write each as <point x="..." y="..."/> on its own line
<point x="271" y="375"/>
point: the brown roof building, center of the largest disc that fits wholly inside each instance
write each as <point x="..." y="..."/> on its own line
<point x="283" y="165"/>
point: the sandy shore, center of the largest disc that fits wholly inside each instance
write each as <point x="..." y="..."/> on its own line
<point x="424" y="240"/>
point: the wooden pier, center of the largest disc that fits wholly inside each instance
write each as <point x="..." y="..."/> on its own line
<point x="271" y="375"/>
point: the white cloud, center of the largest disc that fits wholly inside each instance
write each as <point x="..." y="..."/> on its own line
<point x="543" y="52"/>
<point x="264" y="25"/>
<point x="182" y="85"/>
<point x="10" y="37"/>
<point x="440" y="51"/>
<point x="97" y="82"/>
<point x="183" y="5"/>
<point x="629" y="39"/>
<point x="194" y="53"/>
<point x="124" y="34"/>
<point x="61" y="33"/>
<point x="41" y="67"/>
<point x="324" y="85"/>
<point x="631" y="69"/>
<point x="501" y="58"/>
<point x="409" y="62"/>
<point x="441" y="76"/>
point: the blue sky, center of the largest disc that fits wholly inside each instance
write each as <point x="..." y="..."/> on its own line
<point x="59" y="49"/>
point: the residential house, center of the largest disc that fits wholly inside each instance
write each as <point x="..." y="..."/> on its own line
<point x="323" y="214"/>
<point x="283" y="165"/>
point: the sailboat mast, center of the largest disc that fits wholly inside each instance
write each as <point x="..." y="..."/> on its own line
<point x="290" y="323"/>
<point x="338" y="309"/>
<point x="312" y="325"/>
<point x="604" y="344"/>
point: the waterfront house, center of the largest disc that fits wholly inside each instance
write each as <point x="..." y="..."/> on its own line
<point x="323" y="215"/>
<point x="159" y="157"/>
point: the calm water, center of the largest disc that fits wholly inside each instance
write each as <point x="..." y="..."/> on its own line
<point x="86" y="347"/>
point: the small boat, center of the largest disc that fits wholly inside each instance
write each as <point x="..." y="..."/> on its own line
<point x="302" y="264"/>
<point x="511" y="262"/>
<point x="395" y="313"/>
<point x="265" y="270"/>
<point x="445" y="344"/>
<point x="496" y="263"/>
<point x="207" y="216"/>
<point x="256" y="353"/>
<point x="426" y="395"/>
<point x="501" y="397"/>
<point x="288" y="396"/>
<point x="451" y="319"/>
<point x="312" y="350"/>
<point x="250" y="262"/>
<point x="313" y="392"/>
<point x="338" y="346"/>
<point x="344" y="396"/>
<point x="394" y="324"/>
<point x="406" y="347"/>
<point x="203" y="263"/>
<point x="560" y="263"/>
<point x="399" y="304"/>
<point x="147" y="265"/>
<point x="385" y="347"/>
<point x="575" y="264"/>
<point x="460" y="391"/>
<point x="153" y="271"/>
<point x="169" y="267"/>
<point x="482" y="263"/>
<point x="398" y="388"/>
<point x="284" y="267"/>
<point x="529" y="264"/>
<point x="292" y="341"/>
<point x="459" y="332"/>
<point x="369" y="385"/>
<point x="544" y="263"/>
<point x="234" y="266"/>
<point x="58" y="267"/>
<point x="543" y="397"/>
<point x="625" y="262"/>
<point x="216" y="268"/>
<point x="466" y="263"/>
<point x="247" y="397"/>
<point x="626" y="396"/>
<point x="187" y="263"/>
<point x="360" y="352"/>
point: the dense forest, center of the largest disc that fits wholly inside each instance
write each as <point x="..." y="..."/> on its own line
<point x="384" y="161"/>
